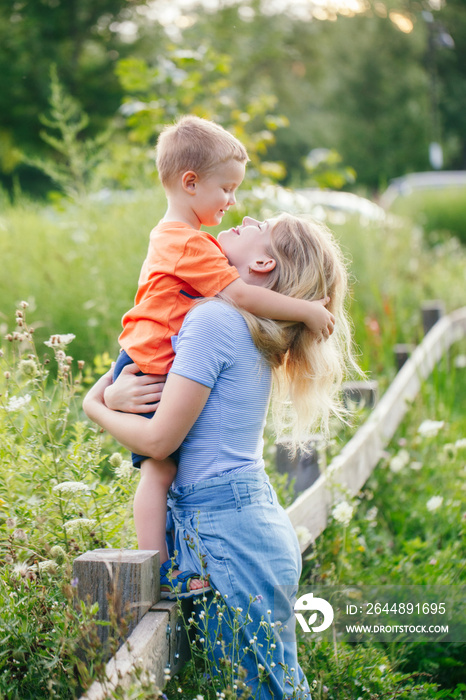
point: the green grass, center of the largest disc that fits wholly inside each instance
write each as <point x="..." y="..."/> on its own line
<point x="394" y="539"/>
<point x="78" y="268"/>
<point x="439" y="212"/>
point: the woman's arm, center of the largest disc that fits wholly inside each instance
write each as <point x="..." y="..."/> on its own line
<point x="181" y="403"/>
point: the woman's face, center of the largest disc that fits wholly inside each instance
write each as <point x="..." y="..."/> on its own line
<point x="246" y="248"/>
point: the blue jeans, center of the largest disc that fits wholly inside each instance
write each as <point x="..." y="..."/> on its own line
<point x="235" y="525"/>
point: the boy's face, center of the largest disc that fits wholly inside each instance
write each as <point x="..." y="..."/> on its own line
<point x="215" y="192"/>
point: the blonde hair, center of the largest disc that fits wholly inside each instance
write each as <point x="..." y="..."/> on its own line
<point x="195" y="144"/>
<point x="307" y="375"/>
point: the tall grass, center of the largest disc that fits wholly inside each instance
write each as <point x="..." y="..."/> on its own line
<point x="79" y="265"/>
<point x="439" y="212"/>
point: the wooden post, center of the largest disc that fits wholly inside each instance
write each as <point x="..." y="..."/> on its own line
<point x="432" y="311"/>
<point x="304" y="467"/>
<point x="363" y="393"/>
<point x="127" y="579"/>
<point x="402" y="352"/>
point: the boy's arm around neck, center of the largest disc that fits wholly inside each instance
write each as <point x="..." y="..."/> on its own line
<point x="264" y="302"/>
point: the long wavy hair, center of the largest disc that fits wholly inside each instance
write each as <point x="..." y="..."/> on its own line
<point x="307" y="374"/>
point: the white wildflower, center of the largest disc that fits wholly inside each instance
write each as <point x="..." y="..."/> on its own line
<point x="20" y="535"/>
<point x="434" y="503"/>
<point x="430" y="428"/>
<point x="75" y="525"/>
<point x="371" y="514"/>
<point x="70" y="487"/>
<point x="115" y="459"/>
<point x="343" y="512"/>
<point x="399" y="461"/>
<point x="17" y="402"/>
<point x="59" y="340"/>
<point x="416" y="466"/>
<point x="58" y="554"/>
<point x="460" y="361"/>
<point x="29" y="368"/>
<point x="47" y="566"/>
<point x="21" y="569"/>
<point x="303" y="534"/>
<point x="124" y="469"/>
<point x="460" y="444"/>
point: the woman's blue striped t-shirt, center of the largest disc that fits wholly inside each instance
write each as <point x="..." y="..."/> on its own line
<point x="214" y="347"/>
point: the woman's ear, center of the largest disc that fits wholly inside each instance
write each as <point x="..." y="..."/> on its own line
<point x="262" y="265"/>
<point x="189" y="179"/>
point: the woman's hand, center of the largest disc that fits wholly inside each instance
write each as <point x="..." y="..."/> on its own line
<point x="132" y="393"/>
<point x="95" y="396"/>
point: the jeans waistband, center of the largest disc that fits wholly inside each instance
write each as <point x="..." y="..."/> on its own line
<point x="227" y="491"/>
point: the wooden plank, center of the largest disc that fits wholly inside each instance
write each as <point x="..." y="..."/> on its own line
<point x="159" y="642"/>
<point x="354" y="464"/>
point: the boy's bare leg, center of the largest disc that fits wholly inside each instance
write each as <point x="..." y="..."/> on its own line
<point x="150" y="508"/>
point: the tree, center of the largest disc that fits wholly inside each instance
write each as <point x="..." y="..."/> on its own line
<point x="81" y="37"/>
<point x="451" y="70"/>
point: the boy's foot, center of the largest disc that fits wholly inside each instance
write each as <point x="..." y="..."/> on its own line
<point x="180" y="584"/>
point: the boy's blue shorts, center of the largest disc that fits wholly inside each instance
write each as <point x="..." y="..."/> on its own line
<point x="123" y="360"/>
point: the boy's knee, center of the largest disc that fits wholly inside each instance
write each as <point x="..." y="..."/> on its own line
<point x="161" y="473"/>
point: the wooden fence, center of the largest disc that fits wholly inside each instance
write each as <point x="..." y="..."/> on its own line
<point x="157" y="641"/>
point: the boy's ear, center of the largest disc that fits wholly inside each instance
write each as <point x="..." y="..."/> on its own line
<point x="263" y="265"/>
<point x="189" y="179"/>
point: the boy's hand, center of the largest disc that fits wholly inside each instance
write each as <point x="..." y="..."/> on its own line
<point x="131" y="393"/>
<point x="320" y="321"/>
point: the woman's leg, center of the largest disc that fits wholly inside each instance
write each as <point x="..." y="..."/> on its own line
<point x="252" y="555"/>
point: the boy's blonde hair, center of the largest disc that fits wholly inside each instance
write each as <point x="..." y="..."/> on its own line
<point x="307" y="374"/>
<point x="195" y="144"/>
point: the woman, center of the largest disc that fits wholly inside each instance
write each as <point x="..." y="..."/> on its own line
<point x="227" y="522"/>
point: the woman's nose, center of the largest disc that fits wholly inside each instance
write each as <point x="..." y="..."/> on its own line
<point x="248" y="220"/>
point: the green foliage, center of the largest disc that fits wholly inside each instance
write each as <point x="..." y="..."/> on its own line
<point x="93" y="254"/>
<point x="54" y="504"/>
<point x="57" y="499"/>
<point x="408" y="529"/>
<point x="82" y="38"/>
<point x="357" y="84"/>
<point x="441" y="213"/>
<point x="76" y="266"/>
<point x="75" y="173"/>
<point x="325" y="170"/>
<point x="394" y="270"/>
<point x="200" y="82"/>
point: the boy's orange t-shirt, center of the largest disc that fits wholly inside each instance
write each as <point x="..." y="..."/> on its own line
<point x="182" y="265"/>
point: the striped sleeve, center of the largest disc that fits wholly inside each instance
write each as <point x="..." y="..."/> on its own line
<point x="207" y="342"/>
